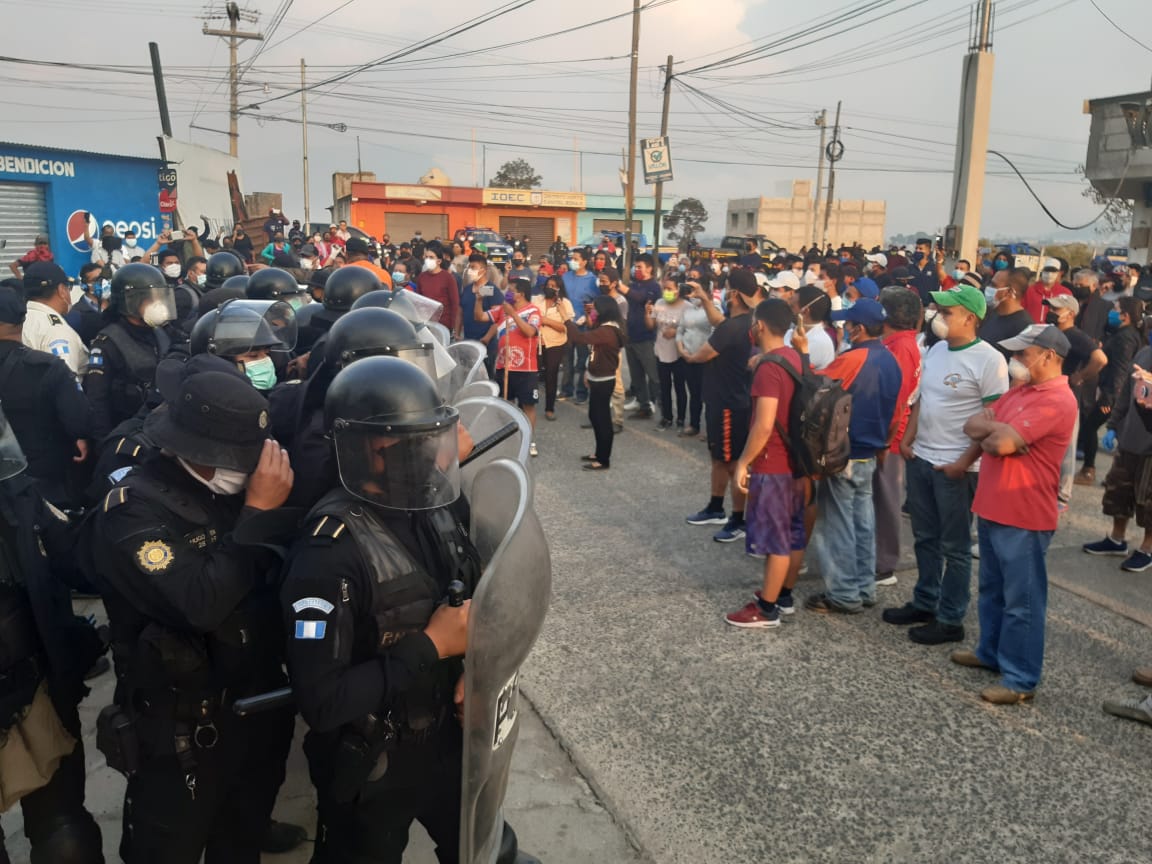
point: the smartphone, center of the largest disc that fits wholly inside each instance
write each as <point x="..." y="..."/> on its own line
<point x="799" y="323"/>
<point x="1143" y="391"/>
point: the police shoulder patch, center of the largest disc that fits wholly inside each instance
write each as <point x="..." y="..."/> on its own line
<point x="154" y="556"/>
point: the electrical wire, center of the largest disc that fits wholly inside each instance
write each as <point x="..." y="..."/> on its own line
<point x="1044" y="206"/>
<point x="1118" y="27"/>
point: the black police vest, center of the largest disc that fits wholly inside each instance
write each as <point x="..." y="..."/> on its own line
<point x="140" y="361"/>
<point x="404" y="593"/>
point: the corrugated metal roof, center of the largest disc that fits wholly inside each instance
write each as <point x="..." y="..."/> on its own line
<point x="78" y="152"/>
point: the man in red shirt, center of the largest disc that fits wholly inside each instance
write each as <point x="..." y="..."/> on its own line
<point x="1049" y="286"/>
<point x="1023" y="436"/>
<point x="905" y="312"/>
<point x="774" y="514"/>
<point x="40" y="252"/>
<point x="438" y="284"/>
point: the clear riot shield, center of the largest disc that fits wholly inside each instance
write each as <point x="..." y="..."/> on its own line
<point x="469" y="356"/>
<point x="506" y="617"/>
<point x="484" y="416"/>
<point x="477" y="388"/>
<point x="443" y="334"/>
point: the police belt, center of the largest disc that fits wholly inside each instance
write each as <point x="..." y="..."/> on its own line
<point x="176" y="723"/>
<point x="392" y="732"/>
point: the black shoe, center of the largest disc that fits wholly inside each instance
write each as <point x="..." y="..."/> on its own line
<point x="641" y="414"/>
<point x="936" y="633"/>
<point x="282" y="837"/>
<point x="617" y="428"/>
<point x="906" y="614"/>
<point x="585" y="425"/>
<point x="102" y="665"/>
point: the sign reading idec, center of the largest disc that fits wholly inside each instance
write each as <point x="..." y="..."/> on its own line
<point x="533" y="198"/>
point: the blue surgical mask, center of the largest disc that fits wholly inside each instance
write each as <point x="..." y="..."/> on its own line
<point x="399" y="277"/>
<point x="1113" y="319"/>
<point x="262" y="373"/>
<point x="682" y="268"/>
<point x="990" y="295"/>
<point x="958" y="275"/>
<point x="847" y="304"/>
<point x="1000" y="264"/>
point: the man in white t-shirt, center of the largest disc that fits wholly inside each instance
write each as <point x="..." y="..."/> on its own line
<point x="813" y="305"/>
<point x="961" y="376"/>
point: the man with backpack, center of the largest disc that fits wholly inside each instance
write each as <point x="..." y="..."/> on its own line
<point x="774" y="514"/>
<point x="844" y="539"/>
<point x="962" y="375"/>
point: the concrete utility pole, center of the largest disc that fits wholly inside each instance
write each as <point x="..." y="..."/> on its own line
<point x="822" y="122"/>
<point x="630" y="187"/>
<point x="833" y="155"/>
<point x="963" y="233"/>
<point x="234" y="36"/>
<point x="663" y="132"/>
<point x="304" y="128"/>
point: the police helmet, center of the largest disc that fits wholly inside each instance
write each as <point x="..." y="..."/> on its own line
<point x="346" y="285"/>
<point x="240" y="281"/>
<point x="240" y="326"/>
<point x="137" y="286"/>
<point x="372" y="332"/>
<point x="272" y="283"/>
<point x="394" y="300"/>
<point x="394" y="437"/>
<point x="221" y="266"/>
<point x="316" y="282"/>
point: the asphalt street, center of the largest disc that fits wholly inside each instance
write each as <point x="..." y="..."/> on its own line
<point x="661" y="734"/>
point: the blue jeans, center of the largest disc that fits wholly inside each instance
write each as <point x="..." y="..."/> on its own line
<point x="1013" y="602"/>
<point x="941" y="511"/>
<point x="844" y="539"/>
<point x="576" y="361"/>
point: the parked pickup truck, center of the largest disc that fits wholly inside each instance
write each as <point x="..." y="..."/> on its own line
<point x="732" y="247"/>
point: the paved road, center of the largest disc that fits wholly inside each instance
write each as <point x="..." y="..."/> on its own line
<point x="828" y="740"/>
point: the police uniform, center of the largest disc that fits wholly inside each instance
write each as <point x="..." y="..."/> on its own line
<point x="384" y="746"/>
<point x="121" y="369"/>
<point x="192" y="601"/>
<point x="46" y="330"/>
<point x="44" y="653"/>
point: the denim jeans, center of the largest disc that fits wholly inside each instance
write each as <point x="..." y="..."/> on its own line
<point x="1013" y="602"/>
<point x="844" y="539"/>
<point x="941" y="511"/>
<point x="576" y="361"/>
<point x="645" y="378"/>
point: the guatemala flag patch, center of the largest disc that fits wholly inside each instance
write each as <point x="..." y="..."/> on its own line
<point x="310" y="629"/>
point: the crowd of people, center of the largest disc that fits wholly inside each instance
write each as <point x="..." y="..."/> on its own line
<point x="164" y="411"/>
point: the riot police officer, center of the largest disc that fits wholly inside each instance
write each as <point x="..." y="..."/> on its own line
<point x="191" y="595"/>
<point x="232" y="288"/>
<point x="44" y="653"/>
<point x="342" y="289"/>
<point x="256" y="335"/>
<point x="272" y="283"/>
<point x="374" y="652"/>
<point x="222" y="266"/>
<point x="122" y="362"/>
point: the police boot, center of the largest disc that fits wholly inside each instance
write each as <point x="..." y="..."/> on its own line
<point x="281" y="837"/>
<point x="509" y="849"/>
<point x="70" y="843"/>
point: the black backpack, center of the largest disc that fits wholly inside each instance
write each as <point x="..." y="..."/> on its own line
<point x="818" y="420"/>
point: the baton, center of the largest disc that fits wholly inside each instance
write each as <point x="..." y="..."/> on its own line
<point x="500" y="435"/>
<point x="281" y="698"/>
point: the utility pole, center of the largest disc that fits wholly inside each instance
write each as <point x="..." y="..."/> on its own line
<point x="663" y="132"/>
<point x="834" y="152"/>
<point x="963" y="231"/>
<point x="359" y="165"/>
<point x="234" y="36"/>
<point x="473" y="155"/>
<point x="822" y="122"/>
<point x="630" y="188"/>
<point x="304" y="127"/>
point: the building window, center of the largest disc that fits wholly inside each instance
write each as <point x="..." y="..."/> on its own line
<point x="751" y="219"/>
<point x="735" y="220"/>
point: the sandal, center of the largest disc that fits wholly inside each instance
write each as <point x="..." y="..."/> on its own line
<point x="595" y="466"/>
<point x="587" y="458"/>
<point x="549" y="415"/>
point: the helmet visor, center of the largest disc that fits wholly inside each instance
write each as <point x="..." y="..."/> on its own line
<point x="395" y="467"/>
<point x="161" y="300"/>
<point x="422" y="357"/>
<point x="246" y="325"/>
<point x="12" y="460"/>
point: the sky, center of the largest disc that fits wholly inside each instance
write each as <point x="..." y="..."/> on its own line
<point x="532" y="86"/>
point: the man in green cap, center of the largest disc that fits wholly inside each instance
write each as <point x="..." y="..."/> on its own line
<point x="961" y="375"/>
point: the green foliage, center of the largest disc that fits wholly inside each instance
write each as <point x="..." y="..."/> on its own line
<point x="517" y="174"/>
<point x="685" y="220"/>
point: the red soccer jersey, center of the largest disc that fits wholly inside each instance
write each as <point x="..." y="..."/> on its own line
<point x="521" y="351"/>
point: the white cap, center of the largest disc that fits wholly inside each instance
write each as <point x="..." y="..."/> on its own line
<point x="810" y="278"/>
<point x="785" y="279"/>
<point x="879" y="258"/>
<point x="761" y="278"/>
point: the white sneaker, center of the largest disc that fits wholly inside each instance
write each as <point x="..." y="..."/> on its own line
<point x="532" y="451"/>
<point x="976" y="550"/>
<point x="631" y="405"/>
<point x="885" y="578"/>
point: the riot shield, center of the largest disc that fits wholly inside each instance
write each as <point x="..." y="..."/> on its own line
<point x="506" y="617"/>
<point x="484" y="416"/>
<point x="477" y="388"/>
<point x="443" y="334"/>
<point x="469" y="356"/>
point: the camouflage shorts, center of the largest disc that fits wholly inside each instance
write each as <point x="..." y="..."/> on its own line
<point x="1128" y="488"/>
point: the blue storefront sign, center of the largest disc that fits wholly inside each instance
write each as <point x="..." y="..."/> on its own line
<point x="112" y="190"/>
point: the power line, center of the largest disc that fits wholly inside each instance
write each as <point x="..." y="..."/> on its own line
<point x="1118" y="27"/>
<point x="1044" y="206"/>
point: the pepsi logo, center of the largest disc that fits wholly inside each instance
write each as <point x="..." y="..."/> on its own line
<point x="76" y="230"/>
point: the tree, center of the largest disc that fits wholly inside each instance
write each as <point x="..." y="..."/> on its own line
<point x="517" y="174"/>
<point x="1117" y="218"/>
<point x="685" y="220"/>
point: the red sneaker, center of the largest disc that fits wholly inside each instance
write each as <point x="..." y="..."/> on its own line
<point x="753" y="617"/>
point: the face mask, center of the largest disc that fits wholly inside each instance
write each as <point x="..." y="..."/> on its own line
<point x="517" y="264"/>
<point x="847" y="304"/>
<point x="670" y="296"/>
<point x="399" y="277"/>
<point x="430" y="264"/>
<point x="155" y="315"/>
<point x="572" y="264"/>
<point x="1113" y="319"/>
<point x="958" y="275"/>
<point x="929" y="315"/>
<point x="262" y="373"/>
<point x="939" y="327"/>
<point x="592" y="317"/>
<point x="223" y="482"/>
<point x="1052" y="318"/>
<point x="172" y="271"/>
<point x="307" y="263"/>
<point x="723" y="269"/>
<point x="510" y="297"/>
<point x="109" y="243"/>
<point x="1048" y="278"/>
<point x="917" y="257"/>
<point x="1081" y="292"/>
<point x="130" y="242"/>
<point x="681" y="268"/>
<point x="715" y="267"/>
<point x="1000" y="265"/>
<point x="990" y="295"/>
<point x="202" y="279"/>
<point x="1018" y="371"/>
<point x="473" y="276"/>
<point x="417" y="237"/>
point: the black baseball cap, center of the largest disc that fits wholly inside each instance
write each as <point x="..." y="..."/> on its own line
<point x="44" y="274"/>
<point x="12" y="310"/>
<point x="357" y="246"/>
<point x="217" y="419"/>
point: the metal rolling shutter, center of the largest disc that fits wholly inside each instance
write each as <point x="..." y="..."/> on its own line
<point x="401" y="227"/>
<point x="540" y="231"/>
<point x="23" y="215"/>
